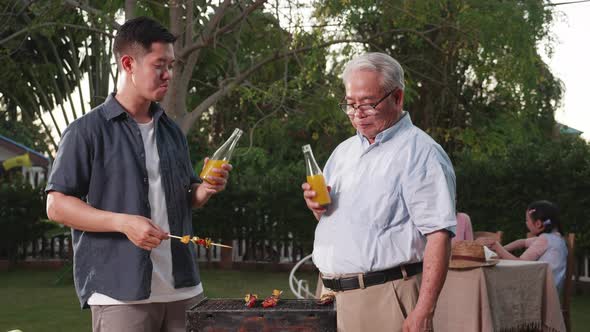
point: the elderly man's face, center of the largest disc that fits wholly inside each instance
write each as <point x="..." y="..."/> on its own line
<point x="365" y="87"/>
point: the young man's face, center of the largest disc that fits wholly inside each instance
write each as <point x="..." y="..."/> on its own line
<point x="152" y="71"/>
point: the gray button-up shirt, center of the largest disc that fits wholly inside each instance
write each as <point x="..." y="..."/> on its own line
<point x="101" y="160"/>
<point x="386" y="197"/>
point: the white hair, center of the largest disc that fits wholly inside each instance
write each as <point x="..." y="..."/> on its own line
<point x="392" y="73"/>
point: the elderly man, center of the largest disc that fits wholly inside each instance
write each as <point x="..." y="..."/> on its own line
<point x="123" y="180"/>
<point x="383" y="244"/>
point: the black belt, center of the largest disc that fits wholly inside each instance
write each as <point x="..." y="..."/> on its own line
<point x="372" y="278"/>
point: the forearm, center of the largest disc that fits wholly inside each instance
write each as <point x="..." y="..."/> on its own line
<point x="518" y="244"/>
<point x="503" y="253"/>
<point x="200" y="196"/>
<point x="73" y="212"/>
<point x="436" y="263"/>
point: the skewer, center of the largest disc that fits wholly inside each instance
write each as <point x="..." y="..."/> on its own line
<point x="187" y="238"/>
<point x="221" y="245"/>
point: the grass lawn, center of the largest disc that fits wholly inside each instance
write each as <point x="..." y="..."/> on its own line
<point x="580" y="314"/>
<point x="32" y="301"/>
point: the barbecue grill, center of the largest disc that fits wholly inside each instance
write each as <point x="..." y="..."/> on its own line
<point x="225" y="315"/>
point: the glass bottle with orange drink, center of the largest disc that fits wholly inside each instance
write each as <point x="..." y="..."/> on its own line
<point x="221" y="156"/>
<point x="315" y="178"/>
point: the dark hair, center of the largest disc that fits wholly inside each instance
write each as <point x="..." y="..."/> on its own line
<point x="140" y="31"/>
<point x="548" y="213"/>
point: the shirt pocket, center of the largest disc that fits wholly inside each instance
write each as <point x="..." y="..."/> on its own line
<point x="386" y="209"/>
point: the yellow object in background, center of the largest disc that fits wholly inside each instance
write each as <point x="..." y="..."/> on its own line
<point x="18" y="161"/>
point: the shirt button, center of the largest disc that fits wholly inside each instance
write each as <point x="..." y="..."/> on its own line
<point x="142" y="154"/>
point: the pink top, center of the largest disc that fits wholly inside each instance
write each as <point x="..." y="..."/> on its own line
<point x="464" y="230"/>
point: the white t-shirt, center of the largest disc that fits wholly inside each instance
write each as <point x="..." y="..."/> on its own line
<point x="162" y="280"/>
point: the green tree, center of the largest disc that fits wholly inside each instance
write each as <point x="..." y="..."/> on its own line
<point x="21" y="210"/>
<point x="496" y="190"/>
<point x="40" y="48"/>
<point x="467" y="61"/>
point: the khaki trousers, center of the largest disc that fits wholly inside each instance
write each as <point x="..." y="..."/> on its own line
<point x="377" y="308"/>
<point x="148" y="317"/>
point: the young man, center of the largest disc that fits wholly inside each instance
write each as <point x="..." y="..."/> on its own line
<point x="385" y="235"/>
<point x="123" y="180"/>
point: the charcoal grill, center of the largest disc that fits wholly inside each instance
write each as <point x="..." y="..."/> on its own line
<point x="225" y="315"/>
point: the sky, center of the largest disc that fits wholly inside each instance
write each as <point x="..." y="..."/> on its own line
<point x="571" y="64"/>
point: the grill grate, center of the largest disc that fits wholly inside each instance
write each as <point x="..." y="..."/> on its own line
<point x="237" y="305"/>
<point x="232" y="315"/>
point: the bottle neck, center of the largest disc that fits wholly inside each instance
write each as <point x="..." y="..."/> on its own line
<point x="227" y="148"/>
<point x="311" y="165"/>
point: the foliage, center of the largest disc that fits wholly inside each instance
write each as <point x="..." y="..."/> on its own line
<point x="264" y="199"/>
<point x="283" y="106"/>
<point x="466" y="61"/>
<point x="475" y="81"/>
<point x="41" y="63"/>
<point x="26" y="133"/>
<point x="496" y="190"/>
<point x="21" y="210"/>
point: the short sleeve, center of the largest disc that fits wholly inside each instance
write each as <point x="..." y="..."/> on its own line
<point x="535" y="249"/>
<point x="71" y="169"/>
<point x="430" y="197"/>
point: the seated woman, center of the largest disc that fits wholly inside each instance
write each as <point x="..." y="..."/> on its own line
<point x="542" y="220"/>
<point x="464" y="228"/>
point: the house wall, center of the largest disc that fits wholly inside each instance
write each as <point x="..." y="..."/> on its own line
<point x="5" y="153"/>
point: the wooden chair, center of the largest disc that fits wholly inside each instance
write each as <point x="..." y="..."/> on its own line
<point x="570" y="240"/>
<point x="497" y="235"/>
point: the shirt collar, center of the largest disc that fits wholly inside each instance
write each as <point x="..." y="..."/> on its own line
<point x="403" y="122"/>
<point x="113" y="109"/>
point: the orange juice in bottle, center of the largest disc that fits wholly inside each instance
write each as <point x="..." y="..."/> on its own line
<point x="315" y="178"/>
<point x="221" y="156"/>
<point x="208" y="169"/>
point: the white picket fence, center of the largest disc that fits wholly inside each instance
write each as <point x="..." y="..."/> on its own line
<point x="272" y="252"/>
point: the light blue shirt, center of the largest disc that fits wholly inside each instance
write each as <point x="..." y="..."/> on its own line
<point x="386" y="197"/>
<point x="556" y="256"/>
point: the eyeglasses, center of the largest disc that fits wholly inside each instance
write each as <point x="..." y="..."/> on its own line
<point x="368" y="109"/>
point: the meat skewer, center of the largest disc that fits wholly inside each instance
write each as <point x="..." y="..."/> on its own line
<point x="204" y="242"/>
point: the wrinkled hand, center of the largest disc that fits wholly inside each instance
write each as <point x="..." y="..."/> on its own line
<point x="141" y="231"/>
<point x="308" y="195"/>
<point x="418" y="321"/>
<point x="218" y="178"/>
